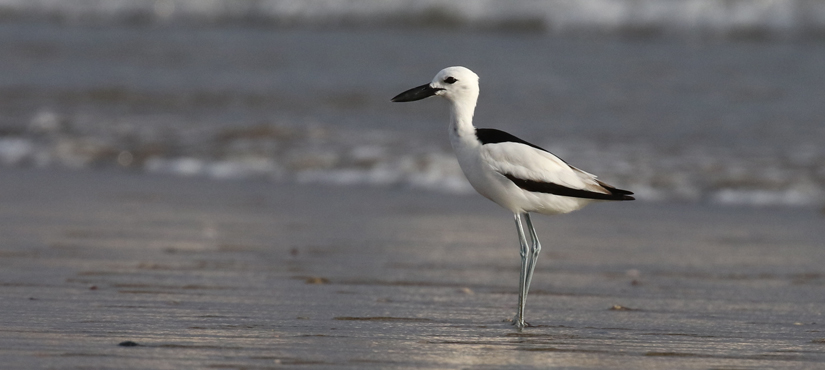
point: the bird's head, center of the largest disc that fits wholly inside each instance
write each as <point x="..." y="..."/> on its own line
<point x="457" y="84"/>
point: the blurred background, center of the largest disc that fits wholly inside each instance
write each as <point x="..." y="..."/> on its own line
<point x="714" y="101"/>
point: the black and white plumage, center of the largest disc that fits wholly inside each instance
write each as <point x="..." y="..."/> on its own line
<point x="515" y="174"/>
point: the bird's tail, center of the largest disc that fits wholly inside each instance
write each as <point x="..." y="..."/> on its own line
<point x="617" y="194"/>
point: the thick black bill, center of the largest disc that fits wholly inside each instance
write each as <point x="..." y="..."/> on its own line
<point x="416" y="93"/>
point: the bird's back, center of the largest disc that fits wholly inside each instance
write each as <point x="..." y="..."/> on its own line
<point x="524" y="177"/>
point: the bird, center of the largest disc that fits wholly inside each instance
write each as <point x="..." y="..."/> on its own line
<point x="515" y="174"/>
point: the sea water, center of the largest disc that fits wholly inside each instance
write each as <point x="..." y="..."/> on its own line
<point x="723" y="107"/>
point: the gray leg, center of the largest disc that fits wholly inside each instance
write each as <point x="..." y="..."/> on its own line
<point x="535" y="248"/>
<point x="523" y="284"/>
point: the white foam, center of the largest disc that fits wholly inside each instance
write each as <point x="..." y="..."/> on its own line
<point x="707" y="16"/>
<point x="790" y="197"/>
<point x="430" y="171"/>
<point x="177" y="166"/>
<point x="790" y="176"/>
<point x="244" y="168"/>
<point x="14" y="151"/>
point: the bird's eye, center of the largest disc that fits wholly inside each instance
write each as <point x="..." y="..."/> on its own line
<point x="450" y="80"/>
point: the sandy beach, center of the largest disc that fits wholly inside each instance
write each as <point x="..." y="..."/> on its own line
<point x="257" y="275"/>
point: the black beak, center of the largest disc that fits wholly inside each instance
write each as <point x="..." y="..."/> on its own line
<point x="416" y="93"/>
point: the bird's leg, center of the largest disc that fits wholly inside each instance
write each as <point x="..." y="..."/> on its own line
<point x="535" y="248"/>
<point x="518" y="321"/>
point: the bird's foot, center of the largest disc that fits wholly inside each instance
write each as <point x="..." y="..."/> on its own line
<point x="519" y="323"/>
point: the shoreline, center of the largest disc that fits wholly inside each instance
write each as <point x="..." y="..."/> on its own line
<point x="239" y="274"/>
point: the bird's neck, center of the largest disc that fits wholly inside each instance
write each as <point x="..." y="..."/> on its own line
<point x="461" y="118"/>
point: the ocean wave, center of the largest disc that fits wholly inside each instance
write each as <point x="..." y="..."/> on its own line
<point x="738" y="18"/>
<point x="318" y="154"/>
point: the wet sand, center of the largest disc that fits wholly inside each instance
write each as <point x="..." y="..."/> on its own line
<point x="256" y="275"/>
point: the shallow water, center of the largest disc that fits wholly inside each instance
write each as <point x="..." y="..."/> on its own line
<point x="670" y="118"/>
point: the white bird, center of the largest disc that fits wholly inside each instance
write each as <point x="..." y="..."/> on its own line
<point x="513" y="173"/>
